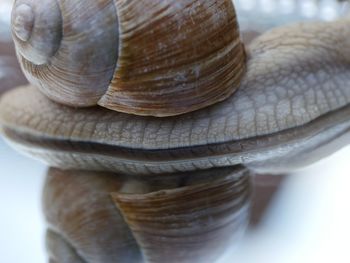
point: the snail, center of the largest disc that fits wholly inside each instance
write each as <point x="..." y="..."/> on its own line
<point x="158" y="58"/>
<point x="291" y="109"/>
<point x="292" y="102"/>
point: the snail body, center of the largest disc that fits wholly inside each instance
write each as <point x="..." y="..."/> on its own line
<point x="158" y="58"/>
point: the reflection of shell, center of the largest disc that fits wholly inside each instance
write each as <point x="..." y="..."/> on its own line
<point x="61" y="251"/>
<point x="190" y="217"/>
<point x="156" y="57"/>
<point x="78" y="208"/>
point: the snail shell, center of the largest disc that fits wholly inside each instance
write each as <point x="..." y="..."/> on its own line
<point x="106" y="217"/>
<point x="159" y="58"/>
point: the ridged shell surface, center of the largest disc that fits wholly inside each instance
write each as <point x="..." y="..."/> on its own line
<point x="175" y="56"/>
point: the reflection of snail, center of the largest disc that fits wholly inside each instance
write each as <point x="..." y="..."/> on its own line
<point x="178" y="218"/>
<point x="156" y="58"/>
<point x="291" y="109"/>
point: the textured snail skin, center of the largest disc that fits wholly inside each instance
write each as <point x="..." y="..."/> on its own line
<point x="185" y="218"/>
<point x="291" y="109"/>
<point x="158" y="58"/>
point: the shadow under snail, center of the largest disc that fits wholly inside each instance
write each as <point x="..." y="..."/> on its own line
<point x="131" y="188"/>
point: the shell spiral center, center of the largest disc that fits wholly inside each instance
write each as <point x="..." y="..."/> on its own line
<point x="23" y="21"/>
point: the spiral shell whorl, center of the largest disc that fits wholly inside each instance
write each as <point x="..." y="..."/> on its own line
<point x="72" y="49"/>
<point x="23" y="21"/>
<point x="37" y="29"/>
